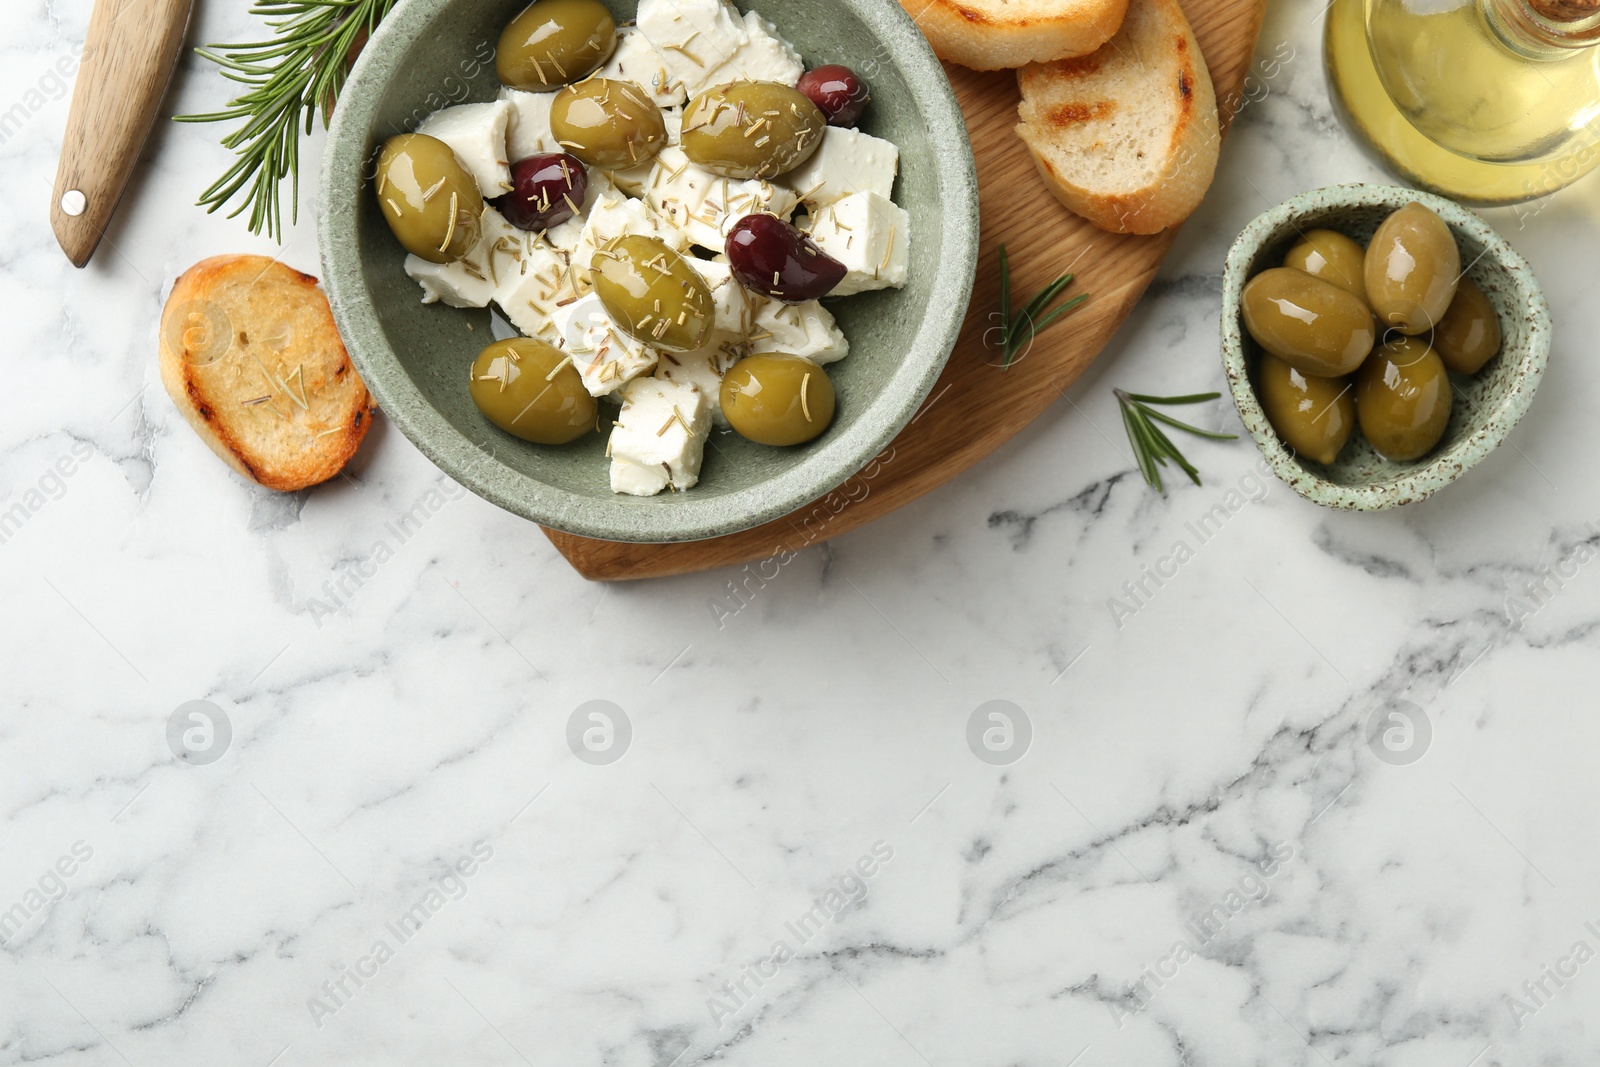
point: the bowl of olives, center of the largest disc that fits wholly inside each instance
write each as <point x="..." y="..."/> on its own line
<point x="1379" y="342"/>
<point x="390" y="187"/>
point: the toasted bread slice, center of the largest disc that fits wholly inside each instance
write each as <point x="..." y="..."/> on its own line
<point x="1126" y="137"/>
<point x="250" y="355"/>
<point x="999" y="34"/>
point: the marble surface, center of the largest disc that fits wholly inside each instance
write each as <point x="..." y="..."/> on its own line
<point x="381" y="847"/>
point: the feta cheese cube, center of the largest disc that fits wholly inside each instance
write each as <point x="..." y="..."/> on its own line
<point x="633" y="181"/>
<point x="726" y="293"/>
<point x="476" y="133"/>
<point x="636" y="60"/>
<point x="870" y="236"/>
<point x="726" y="345"/>
<point x="611" y="219"/>
<point x="705" y="206"/>
<point x="798" y="330"/>
<point x="659" y="439"/>
<point x="606" y="357"/>
<point x="567" y="235"/>
<point x="540" y="286"/>
<point x="677" y="187"/>
<point x="764" y="57"/>
<point x="703" y="369"/>
<point x="470" y="281"/>
<point x="528" y="133"/>
<point x="694" y="38"/>
<point x="847" y="161"/>
<point x="729" y="201"/>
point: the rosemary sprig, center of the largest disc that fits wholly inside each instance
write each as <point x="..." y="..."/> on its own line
<point x="288" y="80"/>
<point x="1018" y="330"/>
<point x="1151" y="446"/>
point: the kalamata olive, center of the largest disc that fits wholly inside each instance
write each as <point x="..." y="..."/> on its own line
<point x="1403" y="399"/>
<point x="1312" y="325"/>
<point x="752" y="130"/>
<point x="429" y="200"/>
<point x="608" y="123"/>
<point x="547" y="190"/>
<point x="838" y="91"/>
<point x="1412" y="267"/>
<point x="1469" y="334"/>
<point x="530" y="390"/>
<point x="777" y="399"/>
<point x="555" y="42"/>
<point x="653" y="294"/>
<point x="771" y="257"/>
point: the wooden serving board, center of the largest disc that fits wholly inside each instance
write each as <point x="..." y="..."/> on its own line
<point x="975" y="407"/>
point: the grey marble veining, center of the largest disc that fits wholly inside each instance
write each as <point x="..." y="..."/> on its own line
<point x="398" y="856"/>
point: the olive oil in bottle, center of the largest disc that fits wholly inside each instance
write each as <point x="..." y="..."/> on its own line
<point x="1489" y="101"/>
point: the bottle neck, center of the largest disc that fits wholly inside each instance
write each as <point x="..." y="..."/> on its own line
<point x="1543" y="29"/>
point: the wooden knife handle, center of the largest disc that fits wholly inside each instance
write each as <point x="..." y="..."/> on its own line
<point x="128" y="56"/>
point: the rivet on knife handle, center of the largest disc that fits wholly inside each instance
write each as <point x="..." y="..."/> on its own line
<point x="128" y="56"/>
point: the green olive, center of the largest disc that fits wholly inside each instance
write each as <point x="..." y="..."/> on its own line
<point x="429" y="200"/>
<point x="1316" y="327"/>
<point x="653" y="293"/>
<point x="1403" y="399"/>
<point x="752" y="129"/>
<point x="1469" y="334"/>
<point x="1314" y="416"/>
<point x="531" y="390"/>
<point x="555" y="42"/>
<point x="609" y="124"/>
<point x="777" y="399"/>
<point x="1333" y="257"/>
<point x="1411" y="269"/>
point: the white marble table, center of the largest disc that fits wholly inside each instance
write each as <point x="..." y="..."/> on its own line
<point x="798" y="860"/>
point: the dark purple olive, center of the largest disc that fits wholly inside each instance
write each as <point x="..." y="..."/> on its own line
<point x="771" y="257"/>
<point x="547" y="190"/>
<point x="838" y="91"/>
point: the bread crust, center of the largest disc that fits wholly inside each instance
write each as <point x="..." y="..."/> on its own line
<point x="1195" y="139"/>
<point x="250" y="356"/>
<point x="981" y="35"/>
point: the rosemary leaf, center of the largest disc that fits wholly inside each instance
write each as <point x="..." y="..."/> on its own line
<point x="1184" y="426"/>
<point x="1141" y="449"/>
<point x="1045" y="296"/>
<point x="1151" y="446"/>
<point x="1170" y="449"/>
<point x="1017" y="330"/>
<point x="1005" y="300"/>
<point x="1192" y="398"/>
<point x="1063" y="309"/>
<point x="1156" y="442"/>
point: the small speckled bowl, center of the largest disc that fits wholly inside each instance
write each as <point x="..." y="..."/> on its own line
<point x="1486" y="405"/>
<point x="431" y="53"/>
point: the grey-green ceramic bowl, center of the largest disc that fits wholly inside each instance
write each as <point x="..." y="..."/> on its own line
<point x="429" y="53"/>
<point x="1486" y="405"/>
